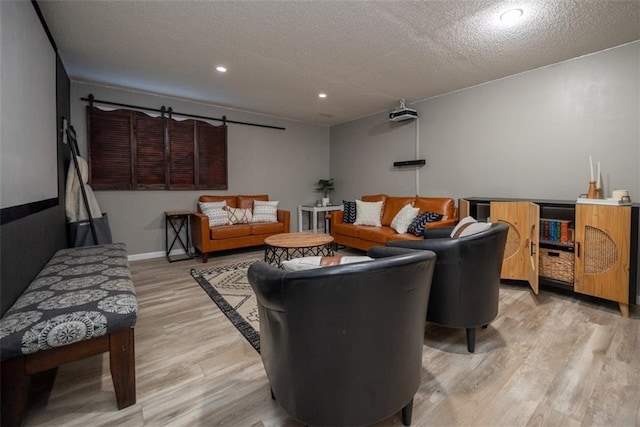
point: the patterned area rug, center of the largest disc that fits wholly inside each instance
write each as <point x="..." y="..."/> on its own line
<point x="229" y="288"/>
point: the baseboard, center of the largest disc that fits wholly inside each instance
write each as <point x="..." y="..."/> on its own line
<point x="151" y="255"/>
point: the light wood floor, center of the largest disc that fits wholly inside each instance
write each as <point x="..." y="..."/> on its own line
<point x="552" y="360"/>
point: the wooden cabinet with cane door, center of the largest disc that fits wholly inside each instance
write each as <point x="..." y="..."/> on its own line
<point x="603" y="249"/>
<point x="604" y="258"/>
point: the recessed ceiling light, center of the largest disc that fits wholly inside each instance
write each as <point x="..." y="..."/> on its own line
<point x="221" y="69"/>
<point x="322" y="95"/>
<point x="511" y="16"/>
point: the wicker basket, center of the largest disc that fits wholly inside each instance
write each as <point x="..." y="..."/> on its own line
<point x="557" y="264"/>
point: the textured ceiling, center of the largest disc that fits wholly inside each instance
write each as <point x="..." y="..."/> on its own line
<point x="366" y="55"/>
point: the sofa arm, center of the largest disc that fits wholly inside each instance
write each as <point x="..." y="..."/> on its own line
<point x="200" y="231"/>
<point x="336" y="217"/>
<point x="285" y="217"/>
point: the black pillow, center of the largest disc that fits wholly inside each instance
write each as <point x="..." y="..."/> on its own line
<point x="417" y="225"/>
<point x="349" y="215"/>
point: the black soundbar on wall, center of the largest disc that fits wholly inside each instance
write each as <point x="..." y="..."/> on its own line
<point x="420" y="162"/>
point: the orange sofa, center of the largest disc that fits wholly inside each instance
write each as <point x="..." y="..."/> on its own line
<point x="365" y="237"/>
<point x="211" y="239"/>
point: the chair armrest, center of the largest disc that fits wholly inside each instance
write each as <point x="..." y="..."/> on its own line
<point x="446" y="249"/>
<point x="443" y="223"/>
<point x="200" y="231"/>
<point x="385" y="251"/>
<point x="285" y="217"/>
<point x="437" y="232"/>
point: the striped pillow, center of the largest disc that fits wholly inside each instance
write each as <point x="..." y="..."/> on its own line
<point x="349" y="215"/>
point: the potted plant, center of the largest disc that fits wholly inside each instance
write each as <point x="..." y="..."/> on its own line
<point x="325" y="186"/>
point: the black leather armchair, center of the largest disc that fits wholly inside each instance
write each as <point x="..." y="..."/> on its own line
<point x="466" y="280"/>
<point x="342" y="345"/>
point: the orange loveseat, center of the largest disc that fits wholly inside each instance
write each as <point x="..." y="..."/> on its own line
<point x="365" y="237"/>
<point x="210" y="239"/>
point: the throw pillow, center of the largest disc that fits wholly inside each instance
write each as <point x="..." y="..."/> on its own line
<point x="462" y="223"/>
<point x="420" y="222"/>
<point x="404" y="218"/>
<point x="216" y="213"/>
<point x="368" y="213"/>
<point x="475" y="228"/>
<point x="349" y="215"/>
<point x="265" y="211"/>
<point x="239" y="216"/>
<point x="311" y="262"/>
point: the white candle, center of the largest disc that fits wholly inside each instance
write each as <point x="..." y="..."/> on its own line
<point x="598" y="186"/>
<point x="591" y="167"/>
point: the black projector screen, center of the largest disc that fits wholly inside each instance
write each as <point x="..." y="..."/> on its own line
<point x="28" y="138"/>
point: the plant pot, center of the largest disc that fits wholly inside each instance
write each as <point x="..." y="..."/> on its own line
<point x="325" y="201"/>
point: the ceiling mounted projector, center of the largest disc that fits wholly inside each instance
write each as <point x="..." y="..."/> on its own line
<point x="402" y="113"/>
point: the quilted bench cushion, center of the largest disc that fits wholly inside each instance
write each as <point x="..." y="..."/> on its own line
<point x="81" y="293"/>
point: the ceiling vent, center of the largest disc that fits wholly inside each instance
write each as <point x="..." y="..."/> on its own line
<point x="402" y="113"/>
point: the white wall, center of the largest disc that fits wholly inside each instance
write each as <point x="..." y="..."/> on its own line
<point x="528" y="135"/>
<point x="284" y="164"/>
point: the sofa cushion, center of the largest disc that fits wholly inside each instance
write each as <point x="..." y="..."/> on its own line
<point x="368" y="213"/>
<point x="420" y="222"/>
<point x="230" y="231"/>
<point x="264" y="211"/>
<point x="377" y="234"/>
<point x="246" y="202"/>
<point x="443" y="205"/>
<point x="267" y="228"/>
<point x="393" y="205"/>
<point x="216" y="212"/>
<point x="239" y="215"/>
<point x="345" y="229"/>
<point x="348" y="211"/>
<point x="230" y="200"/>
<point x="403" y="218"/>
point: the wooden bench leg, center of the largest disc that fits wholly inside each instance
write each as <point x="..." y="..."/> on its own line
<point x="14" y="389"/>
<point x="123" y="366"/>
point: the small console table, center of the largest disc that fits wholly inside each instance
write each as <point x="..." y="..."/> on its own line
<point x="315" y="210"/>
<point x="177" y="221"/>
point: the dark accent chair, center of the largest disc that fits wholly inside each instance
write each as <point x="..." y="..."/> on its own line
<point x="342" y="345"/>
<point x="466" y="280"/>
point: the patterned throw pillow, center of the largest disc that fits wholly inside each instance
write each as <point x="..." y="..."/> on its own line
<point x="417" y="226"/>
<point x="265" y="211"/>
<point x="349" y="215"/>
<point x="216" y="213"/>
<point x="368" y="213"/>
<point x="462" y="224"/>
<point x="404" y="218"/>
<point x="239" y="216"/>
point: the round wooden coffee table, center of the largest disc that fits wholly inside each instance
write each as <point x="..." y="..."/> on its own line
<point x="285" y="246"/>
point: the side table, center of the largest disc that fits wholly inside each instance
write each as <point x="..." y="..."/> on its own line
<point x="177" y="221"/>
<point x="315" y="210"/>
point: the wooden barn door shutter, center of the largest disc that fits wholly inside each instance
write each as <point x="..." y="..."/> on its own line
<point x="109" y="149"/>
<point x="212" y="156"/>
<point x="182" y="155"/>
<point x="150" y="153"/>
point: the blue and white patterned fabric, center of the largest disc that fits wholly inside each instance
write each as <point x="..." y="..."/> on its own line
<point x="349" y="212"/>
<point x="417" y="226"/>
<point x="82" y="293"/>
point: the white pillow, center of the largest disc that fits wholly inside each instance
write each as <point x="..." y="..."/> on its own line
<point x="368" y="213"/>
<point x="475" y="228"/>
<point x="216" y="213"/>
<point x="265" y="211"/>
<point x="311" y="262"/>
<point x="403" y="219"/>
<point x="461" y="223"/>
